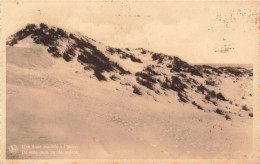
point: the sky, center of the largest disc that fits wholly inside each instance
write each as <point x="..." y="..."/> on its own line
<point x="198" y="32"/>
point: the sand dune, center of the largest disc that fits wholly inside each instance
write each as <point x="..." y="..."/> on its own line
<point x="54" y="101"/>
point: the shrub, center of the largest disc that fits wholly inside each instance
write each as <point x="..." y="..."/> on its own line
<point x="113" y="77"/>
<point x="182" y="98"/>
<point x="202" y="89"/>
<point x="99" y="76"/>
<point x="145" y="83"/>
<point x="111" y="50"/>
<point x="179" y="64"/>
<point x="56" y="54"/>
<point x="87" y="67"/>
<point x="146" y="76"/>
<point x="125" y="83"/>
<point x="122" y="71"/>
<point x="159" y="57"/>
<point x="183" y="75"/>
<point x="207" y="97"/>
<point x="134" y="59"/>
<point x="157" y="92"/>
<point x="207" y="71"/>
<point x="43" y="26"/>
<point x="143" y="52"/>
<point x="233" y="71"/>
<point x="177" y="84"/>
<point x="221" y="97"/>
<point x="209" y="82"/>
<point x="219" y="111"/>
<point x="166" y="85"/>
<point x="198" y="106"/>
<point x="72" y="36"/>
<point x="62" y="33"/>
<point x="137" y="90"/>
<point x="227" y="117"/>
<point x="212" y="94"/>
<point x="150" y="70"/>
<point x="245" y="108"/>
<point x="214" y="103"/>
<point x="250" y="114"/>
<point x="30" y="26"/>
<point x="194" y="71"/>
<point x="69" y="54"/>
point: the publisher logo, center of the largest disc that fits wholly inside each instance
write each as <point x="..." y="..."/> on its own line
<point x="13" y="149"/>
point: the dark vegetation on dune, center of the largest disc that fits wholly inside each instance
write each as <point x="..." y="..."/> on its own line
<point x="137" y="90"/>
<point x="50" y="37"/>
<point x="124" y="55"/>
<point x="231" y="71"/>
<point x="182" y="78"/>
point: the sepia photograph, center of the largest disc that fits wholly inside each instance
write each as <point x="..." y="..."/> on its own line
<point x="130" y="80"/>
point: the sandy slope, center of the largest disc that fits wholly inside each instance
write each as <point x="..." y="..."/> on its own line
<point x="59" y="103"/>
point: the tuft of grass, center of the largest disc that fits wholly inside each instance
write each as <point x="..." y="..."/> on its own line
<point x="146" y="76"/>
<point x="113" y="77"/>
<point x="202" y="89"/>
<point x="145" y="83"/>
<point x="198" y="106"/>
<point x="227" y="117"/>
<point x="245" y="108"/>
<point x="220" y="96"/>
<point x="136" y="90"/>
<point x="219" y="111"/>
